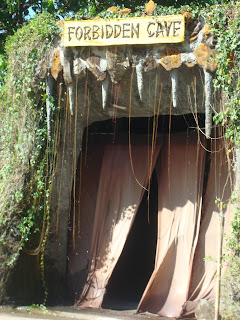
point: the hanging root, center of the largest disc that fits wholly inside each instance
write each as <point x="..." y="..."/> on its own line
<point x="49" y="92"/>
<point x="208" y="102"/>
<point x="71" y="91"/>
<point x="105" y="84"/>
<point x="174" y="79"/>
<point x="139" y="72"/>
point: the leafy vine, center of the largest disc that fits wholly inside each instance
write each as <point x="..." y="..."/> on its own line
<point x="25" y="179"/>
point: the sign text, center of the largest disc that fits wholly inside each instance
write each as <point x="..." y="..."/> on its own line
<point x="166" y="29"/>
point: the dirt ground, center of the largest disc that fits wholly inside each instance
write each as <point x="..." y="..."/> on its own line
<point x="67" y="313"/>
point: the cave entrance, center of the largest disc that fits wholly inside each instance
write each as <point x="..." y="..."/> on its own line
<point x="136" y="263"/>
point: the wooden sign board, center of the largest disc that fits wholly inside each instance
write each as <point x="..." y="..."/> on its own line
<point x="145" y="30"/>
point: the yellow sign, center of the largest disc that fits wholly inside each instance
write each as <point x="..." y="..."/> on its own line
<point x="164" y="29"/>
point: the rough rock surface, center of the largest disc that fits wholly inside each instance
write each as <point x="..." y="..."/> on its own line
<point x="206" y="57"/>
<point x="171" y="62"/>
<point x="205" y="310"/>
<point x="112" y="9"/>
<point x="56" y="64"/>
<point x="149" y="8"/>
<point x="124" y="11"/>
<point x="138" y="68"/>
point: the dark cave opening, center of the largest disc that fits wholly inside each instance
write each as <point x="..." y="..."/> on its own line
<point x="141" y="129"/>
<point x="136" y="263"/>
<point x="144" y="125"/>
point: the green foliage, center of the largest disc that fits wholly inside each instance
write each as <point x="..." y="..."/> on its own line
<point x="2" y="70"/>
<point x="14" y="14"/>
<point x="90" y="9"/>
<point x="225" y="22"/>
<point x="87" y="7"/>
<point x="24" y="173"/>
<point x="231" y="290"/>
<point x="40" y="307"/>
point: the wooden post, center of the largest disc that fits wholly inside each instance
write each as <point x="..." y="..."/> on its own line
<point x="219" y="261"/>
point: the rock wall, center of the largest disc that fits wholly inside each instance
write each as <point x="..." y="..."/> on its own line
<point x="179" y="71"/>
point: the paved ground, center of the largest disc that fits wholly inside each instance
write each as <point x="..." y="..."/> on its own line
<point x="64" y="313"/>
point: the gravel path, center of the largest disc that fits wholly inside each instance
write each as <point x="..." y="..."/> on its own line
<point x="65" y="313"/>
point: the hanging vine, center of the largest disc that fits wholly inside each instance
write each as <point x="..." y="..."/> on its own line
<point x="25" y="171"/>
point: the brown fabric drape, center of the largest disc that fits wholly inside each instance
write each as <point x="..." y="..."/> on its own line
<point x="87" y="181"/>
<point x="119" y="196"/>
<point x="180" y="173"/>
<point x="218" y="187"/>
<point x="187" y="230"/>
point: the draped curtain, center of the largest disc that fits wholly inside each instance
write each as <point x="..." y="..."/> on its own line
<point x="123" y="175"/>
<point x="180" y="171"/>
<point x="83" y="210"/>
<point x="219" y="186"/>
<point x="187" y="229"/>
